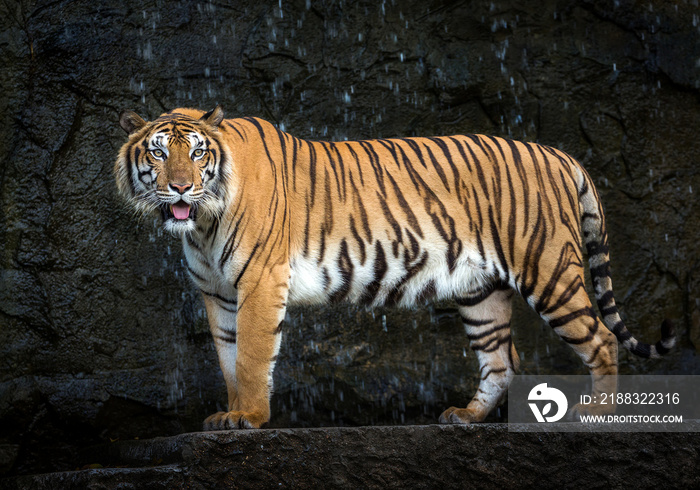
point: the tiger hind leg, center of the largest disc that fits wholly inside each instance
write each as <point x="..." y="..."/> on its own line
<point x="576" y="322"/>
<point x="486" y="319"/>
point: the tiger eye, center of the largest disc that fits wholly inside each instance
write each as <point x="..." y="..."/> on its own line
<point x="198" y="152"/>
<point x="157" y="153"/>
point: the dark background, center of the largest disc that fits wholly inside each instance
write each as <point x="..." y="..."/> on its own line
<point x="101" y="336"/>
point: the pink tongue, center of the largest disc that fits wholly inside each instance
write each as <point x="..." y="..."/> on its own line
<point x="181" y="210"/>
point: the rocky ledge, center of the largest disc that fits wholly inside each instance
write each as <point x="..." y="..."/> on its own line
<point x="434" y="456"/>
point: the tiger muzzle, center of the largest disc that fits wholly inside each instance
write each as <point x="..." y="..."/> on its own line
<point x="180" y="211"/>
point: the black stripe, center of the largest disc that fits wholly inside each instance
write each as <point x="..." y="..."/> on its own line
<point x="454" y="244"/>
<point x="230" y="246"/>
<point x="342" y="171"/>
<point x="326" y="279"/>
<point x="285" y="166"/>
<point x="477" y="165"/>
<point x="332" y="165"/>
<point x="512" y="219"/>
<point x="416" y="149"/>
<point x="493" y="162"/>
<point x="230" y="125"/>
<point x="295" y="149"/>
<point x="193" y="244"/>
<point x="460" y="147"/>
<point x="312" y="172"/>
<point x="582" y="340"/>
<point x="570" y="292"/>
<point x="518" y="162"/>
<point x="213" y="228"/>
<point x="595" y="248"/>
<point x="448" y="156"/>
<point x="590" y="362"/>
<point x="494" y="371"/>
<point x="412" y="221"/>
<point x="491" y="345"/>
<point x="437" y="167"/>
<point x="358" y="239"/>
<point x="345" y="267"/>
<point x="533" y="255"/>
<point x="376" y="166"/>
<point x="380" y="268"/>
<point x="411" y="254"/>
<point x="475" y="300"/>
<point x="539" y="165"/>
<point x="226" y="336"/>
<point x="363" y="212"/>
<point x="131" y="165"/>
<point x="611" y="310"/>
<point x="306" y="229"/>
<point x="606" y="298"/>
<point x="389" y="145"/>
<point x="497" y="245"/>
<point x="195" y="275"/>
<point x="584" y="188"/>
<point x="642" y="350"/>
<point x="390" y="218"/>
<point x="428" y="292"/>
<point x="473" y="322"/>
<point x="245" y="266"/>
<point x="621" y="331"/>
<point x="327" y="226"/>
<point x="220" y="298"/>
<point x="322" y="251"/>
<point x="359" y="167"/>
<point x="396" y="294"/>
<point x="563" y="320"/>
<point x="602" y="270"/>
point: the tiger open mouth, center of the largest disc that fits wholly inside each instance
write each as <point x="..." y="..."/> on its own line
<point x="180" y="211"/>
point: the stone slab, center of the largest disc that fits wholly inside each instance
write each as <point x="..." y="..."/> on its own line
<point x="432" y="456"/>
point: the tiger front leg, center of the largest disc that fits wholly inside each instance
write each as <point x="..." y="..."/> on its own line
<point x="222" y="316"/>
<point x="247" y="362"/>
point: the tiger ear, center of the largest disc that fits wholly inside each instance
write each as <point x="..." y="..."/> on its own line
<point x="213" y="117"/>
<point x="131" y="122"/>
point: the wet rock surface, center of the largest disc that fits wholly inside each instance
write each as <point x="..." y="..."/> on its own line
<point x="101" y="335"/>
<point x="481" y="456"/>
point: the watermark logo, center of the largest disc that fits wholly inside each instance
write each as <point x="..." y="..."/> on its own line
<point x="626" y="403"/>
<point x="544" y="393"/>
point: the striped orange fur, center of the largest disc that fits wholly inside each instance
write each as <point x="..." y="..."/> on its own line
<point x="268" y="220"/>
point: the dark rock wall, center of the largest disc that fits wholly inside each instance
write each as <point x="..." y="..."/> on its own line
<point x="102" y="337"/>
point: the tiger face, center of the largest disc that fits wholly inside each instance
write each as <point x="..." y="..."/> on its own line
<point x="174" y="165"/>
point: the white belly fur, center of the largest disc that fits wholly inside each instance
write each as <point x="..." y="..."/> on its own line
<point x="309" y="285"/>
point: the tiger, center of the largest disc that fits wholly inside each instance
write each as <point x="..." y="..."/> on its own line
<point x="268" y="220"/>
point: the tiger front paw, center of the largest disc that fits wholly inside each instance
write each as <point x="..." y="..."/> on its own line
<point x="454" y="415"/>
<point x="235" y="420"/>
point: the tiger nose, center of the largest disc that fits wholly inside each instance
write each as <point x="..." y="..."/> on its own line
<point x="180" y="188"/>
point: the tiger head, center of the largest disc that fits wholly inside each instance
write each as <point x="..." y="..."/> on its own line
<point x="176" y="164"/>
